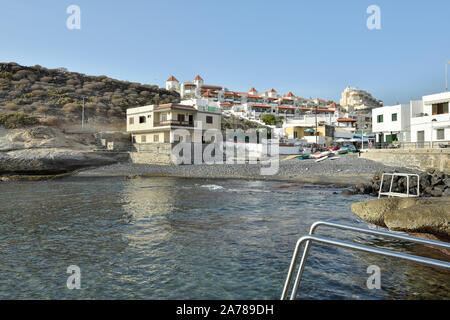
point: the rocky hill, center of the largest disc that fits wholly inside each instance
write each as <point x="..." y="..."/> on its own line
<point x="55" y="96"/>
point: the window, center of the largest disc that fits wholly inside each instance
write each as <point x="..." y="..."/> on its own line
<point x="440" y="108"/>
<point x="131" y="120"/>
<point x="156" y="138"/>
<point x="142" y="119"/>
<point x="143" y="139"/>
<point x="440" y="134"/>
<point x="380" y="118"/>
<point x="209" y="119"/>
<point x="163" y="117"/>
<point x="394" y="117"/>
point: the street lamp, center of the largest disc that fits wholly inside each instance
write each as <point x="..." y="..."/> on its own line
<point x="431" y="133"/>
<point x="446" y="75"/>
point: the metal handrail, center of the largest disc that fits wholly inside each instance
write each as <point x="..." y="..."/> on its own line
<point x="390" y="193"/>
<point x="310" y="238"/>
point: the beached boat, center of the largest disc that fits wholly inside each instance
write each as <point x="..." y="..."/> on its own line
<point x="320" y="155"/>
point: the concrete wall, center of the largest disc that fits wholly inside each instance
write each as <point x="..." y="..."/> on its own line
<point x="415" y="159"/>
<point x="152" y="153"/>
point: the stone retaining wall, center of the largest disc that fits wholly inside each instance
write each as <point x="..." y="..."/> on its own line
<point x="420" y="159"/>
<point x="154" y="153"/>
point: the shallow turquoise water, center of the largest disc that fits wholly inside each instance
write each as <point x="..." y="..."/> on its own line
<point x="167" y="238"/>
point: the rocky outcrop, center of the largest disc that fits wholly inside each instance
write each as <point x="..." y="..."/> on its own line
<point x="44" y="150"/>
<point x="412" y="215"/>
<point x="433" y="183"/>
<point x="52" y="161"/>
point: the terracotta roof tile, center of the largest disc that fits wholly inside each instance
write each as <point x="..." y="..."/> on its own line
<point x="172" y="78"/>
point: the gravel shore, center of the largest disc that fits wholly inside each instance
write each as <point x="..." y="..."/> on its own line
<point x="347" y="170"/>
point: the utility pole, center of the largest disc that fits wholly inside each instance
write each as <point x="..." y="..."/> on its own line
<point x="446" y="75"/>
<point x="317" y="144"/>
<point x="82" y="115"/>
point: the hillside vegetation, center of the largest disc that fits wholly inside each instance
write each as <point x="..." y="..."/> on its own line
<point x="55" y="96"/>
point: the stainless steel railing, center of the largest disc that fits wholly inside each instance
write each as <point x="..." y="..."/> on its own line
<point x="397" y="194"/>
<point x="307" y="240"/>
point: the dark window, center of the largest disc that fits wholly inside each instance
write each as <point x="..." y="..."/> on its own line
<point x="209" y="119"/>
<point x="131" y="120"/>
<point x="394" y="117"/>
<point x="440" y="133"/>
<point x="440" y="108"/>
<point x="156" y="138"/>
<point x="142" y="119"/>
<point x="380" y="118"/>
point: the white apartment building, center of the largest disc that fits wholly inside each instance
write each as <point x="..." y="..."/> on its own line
<point x="253" y="103"/>
<point x="430" y="119"/>
<point x="355" y="99"/>
<point x="391" y="123"/>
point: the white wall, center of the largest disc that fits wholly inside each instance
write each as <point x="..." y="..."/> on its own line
<point x="426" y="124"/>
<point x="401" y="127"/>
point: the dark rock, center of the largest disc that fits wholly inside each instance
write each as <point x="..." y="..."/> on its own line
<point x="436" y="193"/>
<point x="368" y="189"/>
<point x="435" y="180"/>
<point x="447" y="182"/>
<point x="359" y="186"/>
<point x="348" y="192"/>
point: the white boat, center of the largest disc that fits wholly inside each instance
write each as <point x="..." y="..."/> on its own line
<point x="321" y="155"/>
<point x="322" y="159"/>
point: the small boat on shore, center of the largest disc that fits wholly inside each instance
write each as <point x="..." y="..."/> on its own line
<point x="320" y="155"/>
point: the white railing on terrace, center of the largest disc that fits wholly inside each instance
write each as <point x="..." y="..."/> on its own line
<point x="440" y="144"/>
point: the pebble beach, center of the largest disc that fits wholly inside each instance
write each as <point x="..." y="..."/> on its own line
<point x="347" y="170"/>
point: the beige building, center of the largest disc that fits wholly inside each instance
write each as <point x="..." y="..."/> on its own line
<point x="358" y="100"/>
<point x="158" y="123"/>
<point x="325" y="133"/>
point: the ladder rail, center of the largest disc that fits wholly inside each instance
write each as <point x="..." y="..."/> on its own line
<point x="390" y="234"/>
<point x="311" y="237"/>
<point x="397" y="174"/>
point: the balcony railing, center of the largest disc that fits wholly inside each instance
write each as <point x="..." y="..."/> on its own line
<point x="174" y="123"/>
<point x="412" y="145"/>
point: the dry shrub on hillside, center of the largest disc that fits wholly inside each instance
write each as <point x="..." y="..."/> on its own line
<point x="11" y="107"/>
<point x="42" y="110"/>
<point x="73" y="82"/>
<point x="71" y="108"/>
<point x="51" y="121"/>
<point x="46" y="79"/>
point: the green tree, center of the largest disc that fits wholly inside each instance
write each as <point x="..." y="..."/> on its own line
<point x="268" y="119"/>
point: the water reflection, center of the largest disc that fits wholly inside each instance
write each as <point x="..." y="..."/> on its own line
<point x="167" y="238"/>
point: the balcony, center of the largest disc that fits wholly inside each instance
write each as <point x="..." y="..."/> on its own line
<point x="178" y="123"/>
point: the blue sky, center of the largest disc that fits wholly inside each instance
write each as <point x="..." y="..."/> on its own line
<point x="313" y="48"/>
